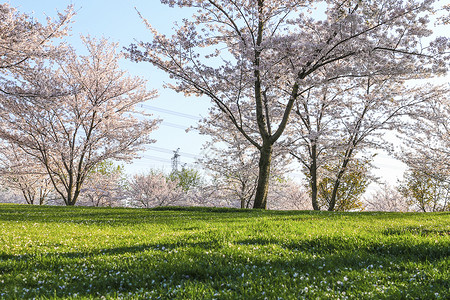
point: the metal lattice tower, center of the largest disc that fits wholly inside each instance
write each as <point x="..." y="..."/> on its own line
<point x="175" y="160"/>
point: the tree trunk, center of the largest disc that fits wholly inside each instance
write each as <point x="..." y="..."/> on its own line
<point x="263" y="178"/>
<point x="332" y="203"/>
<point x="71" y="198"/>
<point x="29" y="200"/>
<point x="71" y="201"/>
<point x="42" y="196"/>
<point x="313" y="174"/>
<point x="242" y="198"/>
<point x="73" y="192"/>
<point x="348" y="154"/>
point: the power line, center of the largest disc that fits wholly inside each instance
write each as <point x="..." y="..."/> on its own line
<point x="163" y="160"/>
<point x="178" y="126"/>
<point x="159" y="149"/>
<point x="174" y="125"/>
<point x="156" y="158"/>
<point x="171" y="112"/>
<point x="165" y="150"/>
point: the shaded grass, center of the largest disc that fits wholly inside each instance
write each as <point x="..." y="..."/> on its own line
<point x="206" y="253"/>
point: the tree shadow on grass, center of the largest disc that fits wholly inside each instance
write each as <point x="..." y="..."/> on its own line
<point x="161" y="267"/>
<point x="206" y="258"/>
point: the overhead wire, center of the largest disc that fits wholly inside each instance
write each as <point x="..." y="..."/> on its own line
<point x="164" y="160"/>
<point x="171" y="112"/>
<point x="165" y="150"/>
<point x="173" y="125"/>
<point x="175" y="113"/>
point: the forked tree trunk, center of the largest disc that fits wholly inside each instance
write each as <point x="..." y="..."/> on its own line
<point x="263" y="179"/>
<point x="71" y="196"/>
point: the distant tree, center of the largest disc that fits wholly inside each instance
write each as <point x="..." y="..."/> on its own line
<point x="254" y="59"/>
<point x="154" y="189"/>
<point x="104" y="186"/>
<point x="20" y="173"/>
<point x="353" y="184"/>
<point x="426" y="192"/>
<point x="9" y="196"/>
<point x="187" y="178"/>
<point x="386" y="198"/>
<point x="209" y="195"/>
<point x="289" y="195"/>
<point x="75" y="114"/>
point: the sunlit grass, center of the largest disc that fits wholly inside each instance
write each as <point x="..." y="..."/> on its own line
<point x="73" y="253"/>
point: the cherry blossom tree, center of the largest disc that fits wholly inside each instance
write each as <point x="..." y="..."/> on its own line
<point x="315" y="141"/>
<point x="445" y="19"/>
<point x="230" y="164"/>
<point x="341" y="121"/>
<point x="426" y="135"/>
<point x="289" y="195"/>
<point x="154" y="189"/>
<point x="234" y="175"/>
<point x="105" y="186"/>
<point x="380" y="107"/>
<point x="255" y="58"/>
<point x="386" y="198"/>
<point x="24" y="40"/>
<point x="425" y="150"/>
<point x="426" y="192"/>
<point x="20" y="173"/>
<point x="75" y="114"/>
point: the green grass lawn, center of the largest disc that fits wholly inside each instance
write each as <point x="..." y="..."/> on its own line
<point x="75" y="253"/>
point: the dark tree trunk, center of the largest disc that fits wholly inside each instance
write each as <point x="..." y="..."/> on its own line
<point x="71" y="197"/>
<point x="313" y="174"/>
<point x="263" y="178"/>
<point x="332" y="203"/>
<point x="28" y="198"/>
<point x="342" y="170"/>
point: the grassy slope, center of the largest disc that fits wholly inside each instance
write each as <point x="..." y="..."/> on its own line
<point x="60" y="252"/>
